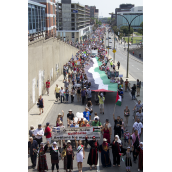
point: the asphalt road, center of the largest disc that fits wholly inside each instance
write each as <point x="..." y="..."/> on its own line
<point x="109" y="109"/>
<point x="135" y="68"/>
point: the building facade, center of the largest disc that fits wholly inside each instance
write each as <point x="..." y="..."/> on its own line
<point x="50" y="15"/>
<point x="36" y="19"/>
<point x="96" y="14"/>
<point x="72" y="21"/>
<point x="92" y="14"/>
<point x="122" y="8"/>
<point x="130" y="15"/>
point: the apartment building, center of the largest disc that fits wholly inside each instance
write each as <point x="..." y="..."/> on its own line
<point x="36" y="20"/>
<point x="96" y="14"/>
<point x="50" y="15"/>
<point x="72" y="21"/>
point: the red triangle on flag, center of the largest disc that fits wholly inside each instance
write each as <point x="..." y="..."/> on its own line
<point x="117" y="97"/>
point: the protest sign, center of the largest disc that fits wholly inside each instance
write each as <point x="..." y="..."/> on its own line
<point x="80" y="133"/>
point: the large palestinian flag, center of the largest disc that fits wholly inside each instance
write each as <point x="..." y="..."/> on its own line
<point x="99" y="80"/>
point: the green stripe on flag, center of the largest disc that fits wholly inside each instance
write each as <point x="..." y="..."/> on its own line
<point x="103" y="76"/>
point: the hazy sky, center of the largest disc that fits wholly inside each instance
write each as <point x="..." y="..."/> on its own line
<point x="107" y="6"/>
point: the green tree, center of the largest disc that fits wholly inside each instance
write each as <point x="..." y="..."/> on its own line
<point x="140" y="30"/>
<point x="125" y="29"/>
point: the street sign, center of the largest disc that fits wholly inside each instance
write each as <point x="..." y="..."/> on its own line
<point x="75" y="11"/>
<point x="114" y="51"/>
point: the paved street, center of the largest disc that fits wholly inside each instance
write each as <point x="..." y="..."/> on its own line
<point x="109" y="109"/>
<point x="135" y="68"/>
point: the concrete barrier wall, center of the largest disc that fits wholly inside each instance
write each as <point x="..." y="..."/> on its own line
<point x="45" y="61"/>
<point x="137" y="51"/>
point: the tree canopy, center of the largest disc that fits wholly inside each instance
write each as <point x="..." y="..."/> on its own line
<point x="140" y="30"/>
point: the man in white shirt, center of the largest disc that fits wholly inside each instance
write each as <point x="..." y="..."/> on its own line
<point x="138" y="126"/>
<point x="62" y="94"/>
<point x="140" y="116"/>
<point x="38" y="133"/>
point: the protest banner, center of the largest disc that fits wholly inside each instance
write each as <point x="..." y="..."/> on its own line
<point x="80" y="133"/>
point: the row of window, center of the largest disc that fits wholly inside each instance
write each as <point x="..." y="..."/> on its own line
<point x="36" y="18"/>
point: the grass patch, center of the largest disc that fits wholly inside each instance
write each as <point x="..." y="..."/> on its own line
<point x="138" y="34"/>
<point x="135" y="39"/>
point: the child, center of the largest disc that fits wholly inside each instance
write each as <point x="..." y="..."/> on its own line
<point x="128" y="162"/>
<point x="126" y="136"/>
<point x="122" y="128"/>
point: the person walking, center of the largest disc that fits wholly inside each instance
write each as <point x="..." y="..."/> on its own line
<point x="32" y="147"/>
<point x="55" y="153"/>
<point x="62" y="94"/>
<point x="138" y="87"/>
<point x="126" y="85"/>
<point x="42" y="162"/>
<point x="135" y="143"/>
<point x="57" y="92"/>
<point x="31" y="131"/>
<point x="116" y="150"/>
<point x="140" y="151"/>
<point x="101" y="102"/>
<point x="39" y="133"/>
<point x="80" y="155"/>
<point x="106" y="132"/>
<point x="128" y="162"/>
<point x="89" y="95"/>
<point x="133" y="91"/>
<point x="139" y="115"/>
<point x="117" y="126"/>
<point x="93" y="154"/>
<point x="126" y="116"/>
<point x="118" y="64"/>
<point x="105" y="155"/>
<point x="70" y="116"/>
<point x="69" y="157"/>
<point x="87" y="114"/>
<point x="48" y="86"/>
<point x="83" y="95"/>
<point x="48" y="132"/>
<point x="138" y="126"/>
<point x="111" y="63"/>
<point x="79" y="94"/>
<point x="89" y="106"/>
<point x="67" y="94"/>
<point x="72" y="95"/>
<point x="41" y="104"/>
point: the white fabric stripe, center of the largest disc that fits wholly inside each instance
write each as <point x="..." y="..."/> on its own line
<point x="120" y="99"/>
<point x="96" y="76"/>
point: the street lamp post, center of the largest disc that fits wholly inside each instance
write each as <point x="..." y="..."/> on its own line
<point x="129" y="25"/>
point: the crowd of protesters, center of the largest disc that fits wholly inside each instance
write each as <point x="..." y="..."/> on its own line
<point x="123" y="143"/>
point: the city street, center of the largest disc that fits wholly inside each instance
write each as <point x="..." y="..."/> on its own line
<point x="135" y="68"/>
<point x="78" y="107"/>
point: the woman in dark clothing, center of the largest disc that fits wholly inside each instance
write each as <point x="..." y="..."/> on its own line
<point x="42" y="162"/>
<point x="140" y="151"/>
<point x="116" y="149"/>
<point x="105" y="155"/>
<point x="93" y="155"/>
<point x="128" y="162"/>
<point x="41" y="104"/>
<point x="133" y="91"/>
<point x="55" y="152"/>
<point x="68" y="159"/>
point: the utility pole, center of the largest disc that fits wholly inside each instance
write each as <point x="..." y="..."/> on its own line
<point x="114" y="48"/>
<point x="128" y="54"/>
<point x="108" y="43"/>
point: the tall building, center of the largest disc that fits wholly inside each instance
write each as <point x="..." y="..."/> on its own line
<point x="96" y="14"/>
<point x="122" y="8"/>
<point x="50" y="14"/>
<point x="92" y="14"/>
<point x="73" y="22"/>
<point x="36" y="20"/>
<point x="130" y="15"/>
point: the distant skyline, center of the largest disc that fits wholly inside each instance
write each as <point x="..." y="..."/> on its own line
<point x="107" y="6"/>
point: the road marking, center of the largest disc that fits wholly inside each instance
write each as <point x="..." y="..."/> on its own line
<point x="137" y="69"/>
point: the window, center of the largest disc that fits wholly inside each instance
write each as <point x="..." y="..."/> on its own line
<point x="30" y="22"/>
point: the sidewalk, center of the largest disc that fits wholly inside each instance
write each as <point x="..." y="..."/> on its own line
<point x="131" y="80"/>
<point x="33" y="115"/>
